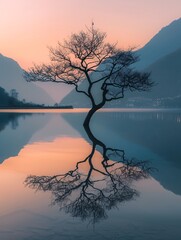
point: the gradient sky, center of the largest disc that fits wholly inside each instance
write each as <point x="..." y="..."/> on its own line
<point x="27" y="27"/>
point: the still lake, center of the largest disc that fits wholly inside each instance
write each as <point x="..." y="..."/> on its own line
<point x="57" y="204"/>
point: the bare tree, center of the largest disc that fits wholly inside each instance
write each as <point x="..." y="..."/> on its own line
<point x="86" y="54"/>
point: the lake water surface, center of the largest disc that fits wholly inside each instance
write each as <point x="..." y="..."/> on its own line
<point x="93" y="199"/>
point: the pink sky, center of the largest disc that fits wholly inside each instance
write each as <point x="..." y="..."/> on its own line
<point x="27" y="27"/>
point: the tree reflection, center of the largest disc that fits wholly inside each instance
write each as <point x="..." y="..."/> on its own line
<point x="106" y="182"/>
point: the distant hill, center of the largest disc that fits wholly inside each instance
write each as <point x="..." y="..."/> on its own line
<point x="11" y="77"/>
<point x="166" y="74"/>
<point x="77" y="100"/>
<point x="162" y="57"/>
<point x="166" y="41"/>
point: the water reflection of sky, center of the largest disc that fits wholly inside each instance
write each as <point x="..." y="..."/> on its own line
<point x="51" y="144"/>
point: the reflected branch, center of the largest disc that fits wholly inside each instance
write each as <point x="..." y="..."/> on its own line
<point x="106" y="182"/>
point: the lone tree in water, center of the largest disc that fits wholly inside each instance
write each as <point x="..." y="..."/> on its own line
<point x="86" y="56"/>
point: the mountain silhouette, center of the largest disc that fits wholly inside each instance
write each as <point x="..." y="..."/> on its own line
<point x="166" y="73"/>
<point x="11" y="77"/>
<point x="166" y="41"/>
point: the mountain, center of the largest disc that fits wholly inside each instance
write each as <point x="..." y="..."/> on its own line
<point x="166" y="41"/>
<point x="161" y="56"/>
<point x="166" y="73"/>
<point x="11" y="77"/>
<point x="77" y="100"/>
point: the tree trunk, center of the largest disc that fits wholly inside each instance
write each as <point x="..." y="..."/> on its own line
<point x="91" y="112"/>
<point x="87" y="121"/>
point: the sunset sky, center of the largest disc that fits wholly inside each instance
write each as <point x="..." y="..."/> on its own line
<point x="27" y="27"/>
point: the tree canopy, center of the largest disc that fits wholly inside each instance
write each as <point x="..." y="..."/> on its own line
<point x="86" y="54"/>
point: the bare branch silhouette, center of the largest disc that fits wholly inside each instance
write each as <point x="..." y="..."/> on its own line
<point x="86" y="56"/>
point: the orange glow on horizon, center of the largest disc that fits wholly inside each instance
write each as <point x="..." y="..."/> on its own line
<point x="28" y="27"/>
